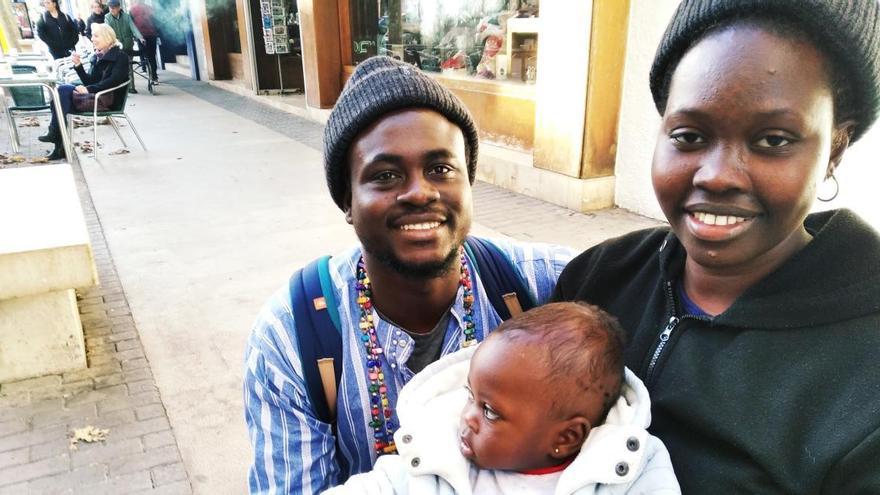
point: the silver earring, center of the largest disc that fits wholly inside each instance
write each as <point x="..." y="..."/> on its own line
<point x="836" y="189"/>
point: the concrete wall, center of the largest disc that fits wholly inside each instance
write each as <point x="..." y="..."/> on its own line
<point x="859" y="174"/>
<point x="197" y="14"/>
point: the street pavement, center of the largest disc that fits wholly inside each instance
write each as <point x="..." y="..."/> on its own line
<point x="199" y="231"/>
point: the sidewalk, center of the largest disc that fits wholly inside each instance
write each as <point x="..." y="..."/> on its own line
<point x="201" y="230"/>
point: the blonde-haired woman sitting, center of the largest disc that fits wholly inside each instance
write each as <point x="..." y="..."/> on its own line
<point x="109" y="69"/>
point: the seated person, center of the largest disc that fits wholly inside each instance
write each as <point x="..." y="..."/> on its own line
<point x="543" y="405"/>
<point x="109" y="69"/>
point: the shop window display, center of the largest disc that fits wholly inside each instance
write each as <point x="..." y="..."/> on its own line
<point x="481" y="39"/>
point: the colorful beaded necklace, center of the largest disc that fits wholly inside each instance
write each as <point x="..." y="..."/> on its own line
<point x="380" y="407"/>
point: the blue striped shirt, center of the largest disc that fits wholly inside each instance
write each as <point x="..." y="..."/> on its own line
<point x="294" y="452"/>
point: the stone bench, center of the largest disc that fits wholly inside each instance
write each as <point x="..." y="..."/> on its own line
<point x="44" y="255"/>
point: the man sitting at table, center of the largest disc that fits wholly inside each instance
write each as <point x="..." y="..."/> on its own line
<point x="109" y="69"/>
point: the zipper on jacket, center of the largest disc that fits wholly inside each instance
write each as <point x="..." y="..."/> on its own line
<point x="664" y="338"/>
<point x="668" y="329"/>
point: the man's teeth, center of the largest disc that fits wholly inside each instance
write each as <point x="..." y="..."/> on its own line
<point x="710" y="219"/>
<point x="420" y="226"/>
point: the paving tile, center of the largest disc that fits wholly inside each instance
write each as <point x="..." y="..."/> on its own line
<point x="128" y="483"/>
<point x="104" y="452"/>
<point x="33" y="470"/>
<point x="158" y="439"/>
<point x="169" y="473"/>
<point x="149" y="459"/>
<point x="69" y="480"/>
<point x="14" y="457"/>
<point x="12" y="426"/>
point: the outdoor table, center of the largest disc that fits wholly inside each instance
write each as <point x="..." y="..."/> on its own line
<point x="50" y="82"/>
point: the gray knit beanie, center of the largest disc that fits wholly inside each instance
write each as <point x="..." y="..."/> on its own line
<point x="847" y="31"/>
<point x="380" y="85"/>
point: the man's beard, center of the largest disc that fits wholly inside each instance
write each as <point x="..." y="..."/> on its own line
<point x="415" y="270"/>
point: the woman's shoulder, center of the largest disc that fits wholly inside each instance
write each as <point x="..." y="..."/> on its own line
<point x="635" y="247"/>
<point x="615" y="263"/>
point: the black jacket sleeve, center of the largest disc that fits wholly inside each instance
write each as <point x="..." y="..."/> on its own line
<point x="71" y="36"/>
<point x="42" y="33"/>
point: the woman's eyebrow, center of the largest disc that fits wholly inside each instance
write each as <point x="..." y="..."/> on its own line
<point x="436" y="154"/>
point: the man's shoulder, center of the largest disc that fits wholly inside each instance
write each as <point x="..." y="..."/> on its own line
<point x="525" y="251"/>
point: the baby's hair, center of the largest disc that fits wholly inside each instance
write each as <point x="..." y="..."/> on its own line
<point x="575" y="341"/>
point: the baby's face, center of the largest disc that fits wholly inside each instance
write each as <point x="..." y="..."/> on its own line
<point x="508" y="422"/>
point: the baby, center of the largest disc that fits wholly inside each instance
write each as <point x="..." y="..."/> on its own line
<point x="544" y="405"/>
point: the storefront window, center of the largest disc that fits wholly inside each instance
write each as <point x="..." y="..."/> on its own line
<point x="481" y="39"/>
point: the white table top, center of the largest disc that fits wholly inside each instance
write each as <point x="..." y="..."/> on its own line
<point x="40" y="209"/>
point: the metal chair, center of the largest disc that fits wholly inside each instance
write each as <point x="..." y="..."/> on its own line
<point x="29" y="99"/>
<point x="118" y="111"/>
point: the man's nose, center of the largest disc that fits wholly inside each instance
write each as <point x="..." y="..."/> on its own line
<point x="418" y="191"/>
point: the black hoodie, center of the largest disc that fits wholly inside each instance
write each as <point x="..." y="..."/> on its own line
<point x="59" y="34"/>
<point x="778" y="394"/>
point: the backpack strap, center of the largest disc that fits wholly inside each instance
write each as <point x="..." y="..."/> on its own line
<point x="318" y="335"/>
<point x="504" y="287"/>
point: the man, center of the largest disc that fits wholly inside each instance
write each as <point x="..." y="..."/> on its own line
<point x="126" y="32"/>
<point x="400" y="155"/>
<point x="142" y="14"/>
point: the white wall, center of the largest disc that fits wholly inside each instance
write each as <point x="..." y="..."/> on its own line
<point x="197" y="14"/>
<point x="859" y="174"/>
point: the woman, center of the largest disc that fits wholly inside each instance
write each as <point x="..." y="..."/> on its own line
<point x="97" y="17"/>
<point x="109" y="69"/>
<point x="58" y="31"/>
<point x="755" y="325"/>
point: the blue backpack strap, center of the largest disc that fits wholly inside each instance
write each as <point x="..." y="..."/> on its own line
<point x="498" y="276"/>
<point x="319" y="335"/>
<point x="317" y="329"/>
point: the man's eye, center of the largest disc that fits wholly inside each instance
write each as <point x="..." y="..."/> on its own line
<point x="489" y="413"/>
<point x="384" y="176"/>
<point x="687" y="138"/>
<point x="773" y="141"/>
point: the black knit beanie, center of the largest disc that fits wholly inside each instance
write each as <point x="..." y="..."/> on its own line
<point x="380" y="85"/>
<point x="848" y="31"/>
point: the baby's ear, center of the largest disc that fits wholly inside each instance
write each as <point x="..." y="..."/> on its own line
<point x="572" y="434"/>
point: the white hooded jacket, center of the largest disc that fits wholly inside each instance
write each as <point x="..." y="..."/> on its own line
<point x="618" y="457"/>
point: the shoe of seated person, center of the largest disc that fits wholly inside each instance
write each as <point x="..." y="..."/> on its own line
<point x="51" y="135"/>
<point x="57" y="153"/>
<point x="132" y="91"/>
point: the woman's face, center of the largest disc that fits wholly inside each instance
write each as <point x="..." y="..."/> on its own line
<point x="100" y="44"/>
<point x="97" y="8"/>
<point x="746" y="135"/>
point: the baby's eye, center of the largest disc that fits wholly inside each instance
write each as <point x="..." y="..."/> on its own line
<point x="489" y="413"/>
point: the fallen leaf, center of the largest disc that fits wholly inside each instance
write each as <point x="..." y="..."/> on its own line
<point x="84" y="122"/>
<point x="87" y="434"/>
<point x="42" y="159"/>
<point x="120" y="151"/>
<point x="29" y="122"/>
